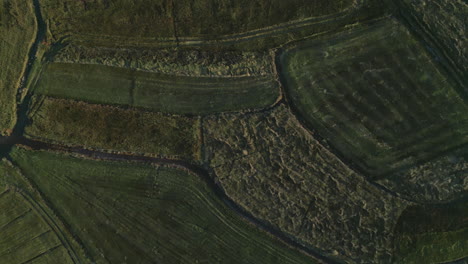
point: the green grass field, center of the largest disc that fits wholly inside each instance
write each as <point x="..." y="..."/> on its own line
<point x="26" y="196"/>
<point x="159" y="92"/>
<point x="376" y="96"/>
<point x="147" y="214"/>
<point x="432" y="234"/>
<point x="26" y="237"/>
<point x="17" y="32"/>
<point x="112" y="128"/>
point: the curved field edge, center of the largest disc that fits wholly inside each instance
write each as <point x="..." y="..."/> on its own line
<point x="432" y="233"/>
<point x="18" y="29"/>
<point x="156" y="205"/>
<point x="338" y="112"/>
<point x="157" y="92"/>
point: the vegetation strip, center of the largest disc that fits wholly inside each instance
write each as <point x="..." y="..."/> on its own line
<point x="158" y="92"/>
<point x="180" y="62"/>
<point x="102" y="127"/>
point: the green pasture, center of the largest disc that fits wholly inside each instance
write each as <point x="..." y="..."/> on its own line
<point x="112" y="128"/>
<point x="376" y="96"/>
<point x="147" y="214"/>
<point x="26" y="237"/>
<point x="158" y="92"/>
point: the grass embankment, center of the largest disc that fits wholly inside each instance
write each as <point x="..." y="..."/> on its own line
<point x="17" y="31"/>
<point x="147" y="214"/>
<point x="112" y="128"/>
<point x="159" y="92"/>
<point x="375" y="95"/>
<point x="26" y="238"/>
<point x="432" y="234"/>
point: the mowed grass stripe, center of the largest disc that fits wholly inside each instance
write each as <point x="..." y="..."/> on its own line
<point x="350" y="104"/>
<point x="410" y="145"/>
<point x="25" y="236"/>
<point x="147" y="213"/>
<point x="159" y="92"/>
<point x="390" y="103"/>
<point x="354" y="105"/>
<point x="340" y="111"/>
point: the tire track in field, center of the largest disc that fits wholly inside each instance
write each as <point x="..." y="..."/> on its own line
<point x="228" y="39"/>
<point x="204" y="173"/>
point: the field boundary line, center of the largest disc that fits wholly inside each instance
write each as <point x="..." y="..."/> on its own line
<point x="237" y="37"/>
